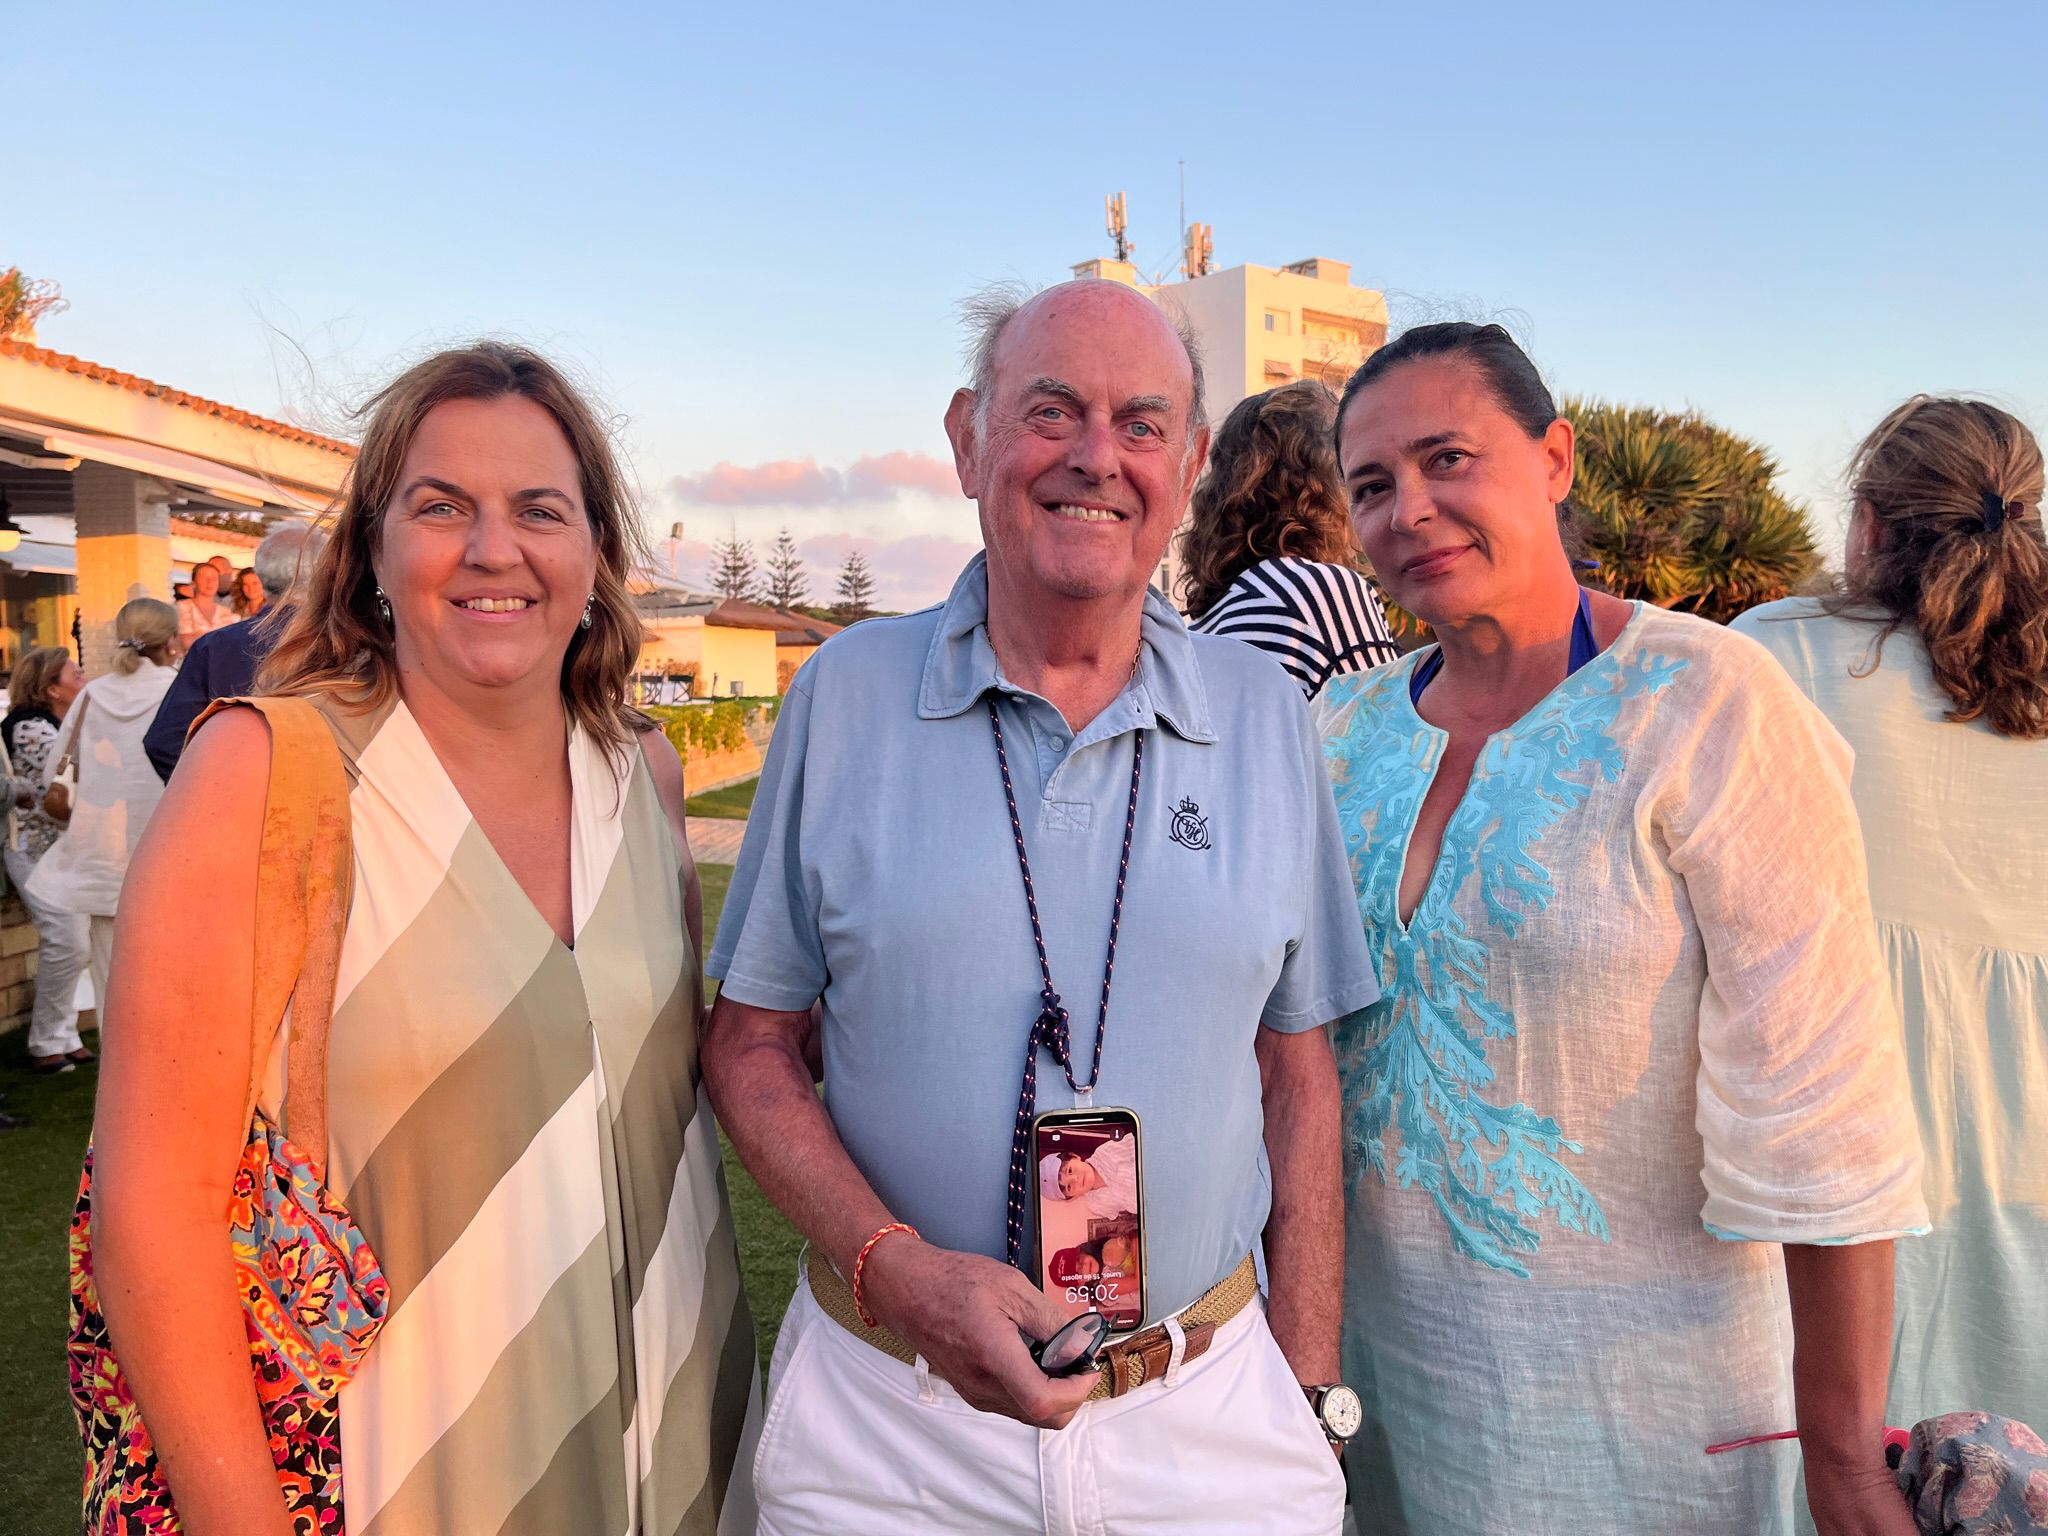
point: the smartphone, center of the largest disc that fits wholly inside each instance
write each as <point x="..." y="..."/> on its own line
<point x="1089" y="1182"/>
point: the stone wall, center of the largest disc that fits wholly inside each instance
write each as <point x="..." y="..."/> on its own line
<point x="17" y="963"/>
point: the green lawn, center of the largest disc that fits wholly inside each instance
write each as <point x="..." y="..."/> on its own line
<point x="39" y="1467"/>
<point x="38" y="1181"/>
<point x="731" y="803"/>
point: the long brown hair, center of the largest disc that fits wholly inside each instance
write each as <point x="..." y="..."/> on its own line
<point x="1952" y="489"/>
<point x="335" y="640"/>
<point x="1271" y="489"/>
<point x="36" y="675"/>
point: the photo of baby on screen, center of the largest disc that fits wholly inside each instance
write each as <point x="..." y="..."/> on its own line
<point x="1088" y="1219"/>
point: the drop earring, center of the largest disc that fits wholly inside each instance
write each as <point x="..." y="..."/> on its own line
<point x="384" y="605"/>
<point x="589" y="603"/>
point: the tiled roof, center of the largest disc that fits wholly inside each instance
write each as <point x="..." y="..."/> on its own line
<point x="141" y="386"/>
<point x="814" y="632"/>
<point x="731" y="613"/>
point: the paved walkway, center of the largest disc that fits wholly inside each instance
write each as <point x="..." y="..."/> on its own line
<point x="715" y="840"/>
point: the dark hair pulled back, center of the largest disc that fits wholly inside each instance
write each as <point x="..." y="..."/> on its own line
<point x="1511" y="378"/>
<point x="1953" y="490"/>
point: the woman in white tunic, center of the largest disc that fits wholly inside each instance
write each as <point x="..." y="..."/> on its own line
<point x="1933" y="662"/>
<point x="1635" y="1033"/>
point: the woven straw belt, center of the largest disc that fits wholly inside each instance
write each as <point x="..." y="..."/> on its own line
<point x="1126" y="1365"/>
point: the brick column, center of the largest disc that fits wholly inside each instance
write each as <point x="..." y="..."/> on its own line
<point x="124" y="542"/>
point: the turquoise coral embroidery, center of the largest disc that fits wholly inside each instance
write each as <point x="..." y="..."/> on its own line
<point x="1415" y="1061"/>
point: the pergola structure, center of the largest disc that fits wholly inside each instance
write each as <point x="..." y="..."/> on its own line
<point x="100" y="472"/>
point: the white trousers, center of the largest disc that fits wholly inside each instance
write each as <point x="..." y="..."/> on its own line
<point x="855" y="1442"/>
<point x="60" y="955"/>
<point x="99" y="965"/>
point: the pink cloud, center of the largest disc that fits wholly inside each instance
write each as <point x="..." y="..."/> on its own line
<point x="880" y="475"/>
<point x="806" y="483"/>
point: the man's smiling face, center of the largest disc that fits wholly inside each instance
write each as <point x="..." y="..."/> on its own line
<point x="1084" y="465"/>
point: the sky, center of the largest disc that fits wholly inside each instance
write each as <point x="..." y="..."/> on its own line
<point x="748" y="228"/>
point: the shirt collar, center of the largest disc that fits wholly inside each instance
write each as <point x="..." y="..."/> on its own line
<point x="961" y="665"/>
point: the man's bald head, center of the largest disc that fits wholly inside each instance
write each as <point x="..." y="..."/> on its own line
<point x="992" y="312"/>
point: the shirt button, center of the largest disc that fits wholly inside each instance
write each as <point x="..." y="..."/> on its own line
<point x="1059" y="743"/>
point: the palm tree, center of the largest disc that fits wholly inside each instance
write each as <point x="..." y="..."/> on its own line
<point x="1684" y="514"/>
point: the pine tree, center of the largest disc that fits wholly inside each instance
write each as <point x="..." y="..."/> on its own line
<point x="788" y="583"/>
<point x="735" y="574"/>
<point x="856" y="590"/>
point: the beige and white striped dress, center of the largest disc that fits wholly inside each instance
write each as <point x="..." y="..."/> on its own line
<point x="517" y="1126"/>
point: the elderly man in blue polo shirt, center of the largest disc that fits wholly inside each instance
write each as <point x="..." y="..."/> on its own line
<point x="1044" y="823"/>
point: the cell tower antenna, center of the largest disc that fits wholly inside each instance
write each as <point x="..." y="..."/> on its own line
<point x="1119" y="225"/>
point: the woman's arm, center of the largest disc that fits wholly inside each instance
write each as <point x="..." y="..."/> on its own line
<point x="169" y="1130"/>
<point x="1841" y="1356"/>
<point x="666" y="768"/>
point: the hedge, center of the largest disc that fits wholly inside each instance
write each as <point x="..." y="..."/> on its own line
<point x="701" y="729"/>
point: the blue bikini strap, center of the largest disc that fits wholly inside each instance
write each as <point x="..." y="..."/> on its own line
<point x="1584" y="648"/>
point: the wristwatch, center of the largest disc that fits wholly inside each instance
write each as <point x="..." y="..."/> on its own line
<point x="1338" y="1409"/>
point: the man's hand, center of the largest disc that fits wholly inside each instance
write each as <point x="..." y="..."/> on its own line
<point x="962" y="1312"/>
<point x="1863" y="1500"/>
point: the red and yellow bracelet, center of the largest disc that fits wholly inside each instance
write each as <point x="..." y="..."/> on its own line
<point x="860" y="1304"/>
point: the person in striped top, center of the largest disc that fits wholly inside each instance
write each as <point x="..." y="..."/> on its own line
<point x="1267" y="549"/>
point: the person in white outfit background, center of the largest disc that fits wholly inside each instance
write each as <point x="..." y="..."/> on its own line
<point x="116" y="787"/>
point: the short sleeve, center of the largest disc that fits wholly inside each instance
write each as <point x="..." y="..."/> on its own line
<point x="768" y="952"/>
<point x="1803" y="1102"/>
<point x="1328" y="971"/>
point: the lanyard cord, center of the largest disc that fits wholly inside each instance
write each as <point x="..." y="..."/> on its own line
<point x="1051" y="1028"/>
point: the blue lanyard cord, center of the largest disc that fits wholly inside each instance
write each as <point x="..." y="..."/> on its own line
<point x="1050" y="1029"/>
<point x="1584" y="649"/>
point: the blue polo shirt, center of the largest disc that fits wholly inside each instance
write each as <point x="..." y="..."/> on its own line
<point x="879" y="873"/>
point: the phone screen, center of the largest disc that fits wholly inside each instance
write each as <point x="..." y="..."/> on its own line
<point x="1091" y="1213"/>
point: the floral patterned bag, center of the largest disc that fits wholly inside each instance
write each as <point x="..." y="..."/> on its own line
<point x="312" y="1293"/>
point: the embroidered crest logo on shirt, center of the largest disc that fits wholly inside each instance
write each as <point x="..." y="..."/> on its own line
<point x="1190" y="827"/>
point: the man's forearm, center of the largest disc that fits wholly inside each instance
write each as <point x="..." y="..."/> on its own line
<point x="1305" y="1232"/>
<point x="762" y="1089"/>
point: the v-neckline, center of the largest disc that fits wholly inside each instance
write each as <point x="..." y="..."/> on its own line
<point x="578" y="788"/>
<point x="1441" y="741"/>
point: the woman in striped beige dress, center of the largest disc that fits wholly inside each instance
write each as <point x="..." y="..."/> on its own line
<point x="513" y="1112"/>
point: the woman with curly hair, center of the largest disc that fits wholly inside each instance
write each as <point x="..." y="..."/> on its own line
<point x="1268" y="550"/>
<point x="1932" y="660"/>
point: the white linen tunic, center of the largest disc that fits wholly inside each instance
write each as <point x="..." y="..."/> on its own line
<point x="1636" y="1032"/>
<point x="1956" y="819"/>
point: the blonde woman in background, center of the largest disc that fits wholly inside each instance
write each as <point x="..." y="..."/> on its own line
<point x="45" y="684"/>
<point x="116" y="787"/>
<point x="208" y="607"/>
<point x="1932" y="660"/>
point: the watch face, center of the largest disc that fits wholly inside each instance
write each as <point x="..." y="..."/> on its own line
<point x="1343" y="1413"/>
